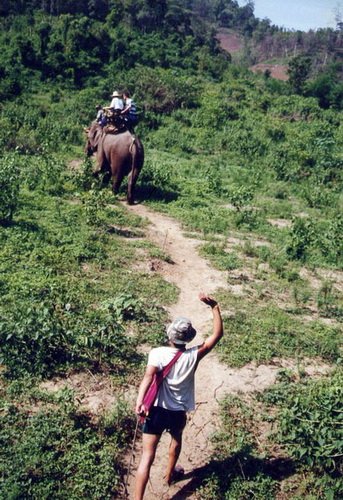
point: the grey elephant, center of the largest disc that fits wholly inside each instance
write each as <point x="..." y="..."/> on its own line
<point x="118" y="154"/>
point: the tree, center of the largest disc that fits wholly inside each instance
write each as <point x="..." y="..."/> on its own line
<point x="298" y="70"/>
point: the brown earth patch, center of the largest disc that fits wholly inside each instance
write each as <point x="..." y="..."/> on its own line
<point x="230" y="42"/>
<point x="277" y="71"/>
<point x="93" y="392"/>
<point x="75" y="165"/>
<point x="280" y="223"/>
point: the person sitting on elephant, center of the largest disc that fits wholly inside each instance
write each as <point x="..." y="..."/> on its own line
<point x="117" y="101"/>
<point x="99" y="114"/>
<point x="130" y="111"/>
<point x="113" y="111"/>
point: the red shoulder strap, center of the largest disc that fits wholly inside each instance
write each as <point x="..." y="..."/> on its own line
<point x="168" y="367"/>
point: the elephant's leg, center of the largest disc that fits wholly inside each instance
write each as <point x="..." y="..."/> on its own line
<point x="117" y="180"/>
<point x="116" y="185"/>
<point x="101" y="162"/>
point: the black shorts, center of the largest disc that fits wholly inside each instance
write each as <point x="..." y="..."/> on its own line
<point x="160" y="420"/>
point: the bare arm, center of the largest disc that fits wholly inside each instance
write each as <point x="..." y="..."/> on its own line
<point x="126" y="110"/>
<point x="218" y="331"/>
<point x="146" y="381"/>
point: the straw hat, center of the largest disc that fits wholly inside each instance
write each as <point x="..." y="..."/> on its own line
<point x="116" y="94"/>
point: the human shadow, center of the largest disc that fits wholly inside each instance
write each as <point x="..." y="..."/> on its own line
<point x="241" y="464"/>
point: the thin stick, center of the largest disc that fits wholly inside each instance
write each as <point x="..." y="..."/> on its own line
<point x="131" y="458"/>
<point x="165" y="241"/>
<point x="240" y="466"/>
<point x="216" y="389"/>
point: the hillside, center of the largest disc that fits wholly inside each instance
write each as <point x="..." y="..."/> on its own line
<point x="240" y="196"/>
<point x="233" y="43"/>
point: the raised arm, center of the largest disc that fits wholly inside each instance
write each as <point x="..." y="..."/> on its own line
<point x="218" y="331"/>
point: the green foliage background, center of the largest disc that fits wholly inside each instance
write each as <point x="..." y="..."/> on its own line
<point x="228" y="152"/>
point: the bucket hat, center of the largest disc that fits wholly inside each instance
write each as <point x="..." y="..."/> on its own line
<point x="181" y="331"/>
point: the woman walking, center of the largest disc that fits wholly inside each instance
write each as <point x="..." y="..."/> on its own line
<point x="176" y="394"/>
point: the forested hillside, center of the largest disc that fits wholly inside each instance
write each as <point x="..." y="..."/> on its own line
<point x="249" y="165"/>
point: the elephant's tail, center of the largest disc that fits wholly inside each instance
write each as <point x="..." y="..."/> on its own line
<point x="133" y="152"/>
<point x="133" y="174"/>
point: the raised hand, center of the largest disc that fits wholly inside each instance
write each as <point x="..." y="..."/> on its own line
<point x="206" y="299"/>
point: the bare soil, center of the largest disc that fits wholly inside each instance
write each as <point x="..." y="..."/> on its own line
<point x="233" y="43"/>
<point x="192" y="274"/>
<point x="278" y="71"/>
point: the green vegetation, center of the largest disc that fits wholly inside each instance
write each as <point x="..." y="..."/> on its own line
<point x="250" y="458"/>
<point x="60" y="452"/>
<point x="252" y="166"/>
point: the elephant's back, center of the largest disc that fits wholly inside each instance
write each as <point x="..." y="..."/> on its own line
<point x="123" y="139"/>
<point x="124" y="144"/>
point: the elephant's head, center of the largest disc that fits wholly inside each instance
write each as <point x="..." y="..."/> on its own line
<point x="93" y="133"/>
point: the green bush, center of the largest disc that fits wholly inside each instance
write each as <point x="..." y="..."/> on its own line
<point x="58" y="452"/>
<point x="9" y="187"/>
<point x="261" y="334"/>
<point x="310" y="424"/>
<point x="49" y="334"/>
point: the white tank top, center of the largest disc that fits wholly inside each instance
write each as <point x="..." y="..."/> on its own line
<point x="177" y="390"/>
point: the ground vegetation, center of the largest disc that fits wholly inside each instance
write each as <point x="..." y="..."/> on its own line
<point x="249" y="165"/>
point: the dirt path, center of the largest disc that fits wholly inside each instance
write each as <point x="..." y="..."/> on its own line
<point x="192" y="274"/>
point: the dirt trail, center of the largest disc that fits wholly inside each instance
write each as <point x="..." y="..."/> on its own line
<point x="192" y="274"/>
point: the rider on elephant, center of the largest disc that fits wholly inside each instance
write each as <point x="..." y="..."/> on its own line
<point x="130" y="111"/>
<point x="113" y="111"/>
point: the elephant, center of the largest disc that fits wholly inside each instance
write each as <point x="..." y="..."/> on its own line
<point x="118" y="154"/>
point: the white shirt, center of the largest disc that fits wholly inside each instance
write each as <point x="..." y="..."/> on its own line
<point x="177" y="389"/>
<point x="117" y="103"/>
<point x="128" y="102"/>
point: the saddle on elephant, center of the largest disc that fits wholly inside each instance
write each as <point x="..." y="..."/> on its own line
<point x="114" y="122"/>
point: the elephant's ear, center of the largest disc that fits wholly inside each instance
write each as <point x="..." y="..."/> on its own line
<point x="96" y="136"/>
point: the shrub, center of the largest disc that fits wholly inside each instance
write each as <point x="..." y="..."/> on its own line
<point x="9" y="187"/>
<point x="60" y="453"/>
<point x="47" y="335"/>
<point x="223" y="260"/>
<point x="310" y="424"/>
<point x="302" y="236"/>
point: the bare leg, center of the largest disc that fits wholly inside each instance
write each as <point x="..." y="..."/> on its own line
<point x="150" y="442"/>
<point x="174" y="453"/>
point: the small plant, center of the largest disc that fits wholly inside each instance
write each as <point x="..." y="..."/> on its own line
<point x="9" y="188"/>
<point x="249" y="249"/>
<point x="310" y="424"/>
<point x="125" y="307"/>
<point x="95" y="203"/>
<point x="327" y="301"/>
<point x="240" y="196"/>
<point x="226" y="261"/>
<point x="301" y="296"/>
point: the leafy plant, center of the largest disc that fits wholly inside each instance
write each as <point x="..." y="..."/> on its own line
<point x="61" y="453"/>
<point x="221" y="258"/>
<point x="9" y="187"/>
<point x="310" y="423"/>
